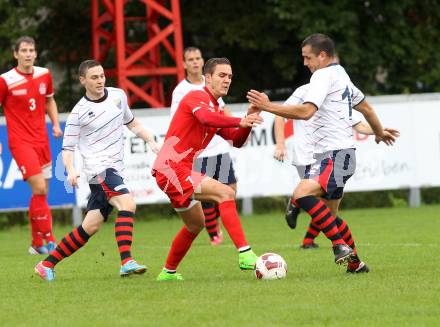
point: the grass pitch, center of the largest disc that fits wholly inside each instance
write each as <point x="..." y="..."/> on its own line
<point x="401" y="246"/>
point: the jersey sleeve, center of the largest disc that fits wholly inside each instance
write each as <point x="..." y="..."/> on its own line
<point x="356" y="117"/>
<point x="50" y="91"/>
<point x="197" y="100"/>
<point x="128" y="114"/>
<point x="320" y="84"/>
<point x="297" y="96"/>
<point x="3" y="90"/>
<point x="71" y="132"/>
<point x="357" y="95"/>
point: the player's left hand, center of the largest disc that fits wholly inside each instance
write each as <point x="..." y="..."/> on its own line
<point x="155" y="147"/>
<point x="56" y="131"/>
<point x="388" y="137"/>
<point x="251" y="120"/>
<point x="258" y="99"/>
<point x="253" y="110"/>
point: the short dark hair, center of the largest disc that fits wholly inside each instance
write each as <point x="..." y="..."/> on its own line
<point x="86" y="65"/>
<point x="210" y="65"/>
<point x="23" y="39"/>
<point x="320" y="42"/>
<point x="190" y="49"/>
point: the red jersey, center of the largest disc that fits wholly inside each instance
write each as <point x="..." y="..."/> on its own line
<point x="191" y="133"/>
<point x="23" y="98"/>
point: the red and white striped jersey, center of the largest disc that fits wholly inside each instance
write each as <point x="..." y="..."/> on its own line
<point x="23" y="98"/>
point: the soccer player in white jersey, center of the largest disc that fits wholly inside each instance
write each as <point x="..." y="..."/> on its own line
<point x="95" y="126"/>
<point x="302" y="156"/>
<point x="330" y="101"/>
<point x="215" y="161"/>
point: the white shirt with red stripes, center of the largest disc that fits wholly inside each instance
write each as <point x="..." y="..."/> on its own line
<point x="96" y="128"/>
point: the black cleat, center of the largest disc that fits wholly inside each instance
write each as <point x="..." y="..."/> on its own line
<point x="309" y="246"/>
<point x="362" y="268"/>
<point x="292" y="213"/>
<point x="342" y="253"/>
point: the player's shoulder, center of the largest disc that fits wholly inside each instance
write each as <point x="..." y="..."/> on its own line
<point x="195" y="95"/>
<point x="12" y="76"/>
<point x="116" y="92"/>
<point x="298" y="95"/>
<point x="81" y="106"/>
<point x="184" y="87"/>
<point x="40" y="71"/>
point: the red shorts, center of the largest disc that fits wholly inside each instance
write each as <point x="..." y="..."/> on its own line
<point x="33" y="160"/>
<point x="179" y="183"/>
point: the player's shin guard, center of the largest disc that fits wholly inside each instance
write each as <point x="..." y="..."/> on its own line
<point x="312" y="232"/>
<point x="232" y="224"/>
<point x="124" y="234"/>
<point x="180" y="246"/>
<point x="321" y="217"/>
<point x="41" y="218"/>
<point x="211" y="218"/>
<point x="71" y="243"/>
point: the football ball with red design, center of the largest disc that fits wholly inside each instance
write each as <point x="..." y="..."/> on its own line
<point x="270" y="266"/>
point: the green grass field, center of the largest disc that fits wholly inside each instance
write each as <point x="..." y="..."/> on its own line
<point x="401" y="246"/>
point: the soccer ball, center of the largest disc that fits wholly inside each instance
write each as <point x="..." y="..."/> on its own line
<point x="270" y="266"/>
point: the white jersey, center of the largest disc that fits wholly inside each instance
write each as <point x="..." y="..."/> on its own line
<point x="303" y="144"/>
<point x="218" y="144"/>
<point x="96" y="127"/>
<point x="333" y="93"/>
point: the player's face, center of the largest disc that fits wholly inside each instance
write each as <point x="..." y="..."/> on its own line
<point x="220" y="80"/>
<point x="25" y="55"/>
<point x="311" y="60"/>
<point x="193" y="62"/>
<point x="94" y="82"/>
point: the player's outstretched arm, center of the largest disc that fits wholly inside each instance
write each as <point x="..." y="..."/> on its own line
<point x="370" y="115"/>
<point x="52" y="112"/>
<point x="297" y="111"/>
<point x="136" y="127"/>
<point x="280" y="152"/>
<point x="72" y="175"/>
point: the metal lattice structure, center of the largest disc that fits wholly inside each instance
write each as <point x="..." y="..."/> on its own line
<point x="143" y="51"/>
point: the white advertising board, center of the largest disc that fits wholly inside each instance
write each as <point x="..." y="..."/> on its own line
<point x="414" y="161"/>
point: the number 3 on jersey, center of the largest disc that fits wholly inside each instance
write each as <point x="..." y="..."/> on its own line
<point x="347" y="94"/>
<point x="32" y="104"/>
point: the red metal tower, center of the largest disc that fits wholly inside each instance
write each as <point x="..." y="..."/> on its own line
<point x="140" y="44"/>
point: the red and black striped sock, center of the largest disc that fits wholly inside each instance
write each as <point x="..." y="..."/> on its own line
<point x="312" y="232"/>
<point x="321" y="217"/>
<point x="211" y="218"/>
<point x="71" y="243"/>
<point x="124" y="234"/>
<point x="345" y="232"/>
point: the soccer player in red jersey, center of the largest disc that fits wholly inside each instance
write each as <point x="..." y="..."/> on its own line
<point x="196" y="121"/>
<point x="26" y="94"/>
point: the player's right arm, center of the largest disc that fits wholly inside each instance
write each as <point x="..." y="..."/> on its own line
<point x="70" y="141"/>
<point x="280" y="147"/>
<point x="370" y="115"/>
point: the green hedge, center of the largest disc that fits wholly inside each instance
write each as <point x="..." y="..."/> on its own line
<point x="378" y="199"/>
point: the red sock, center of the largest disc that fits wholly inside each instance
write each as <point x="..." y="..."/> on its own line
<point x="180" y="246"/>
<point x="312" y="232"/>
<point x="41" y="219"/>
<point x="231" y="221"/>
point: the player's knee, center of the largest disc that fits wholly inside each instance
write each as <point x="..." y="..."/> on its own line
<point x="92" y="227"/>
<point x="227" y="194"/>
<point x="39" y="189"/>
<point x="195" y="227"/>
